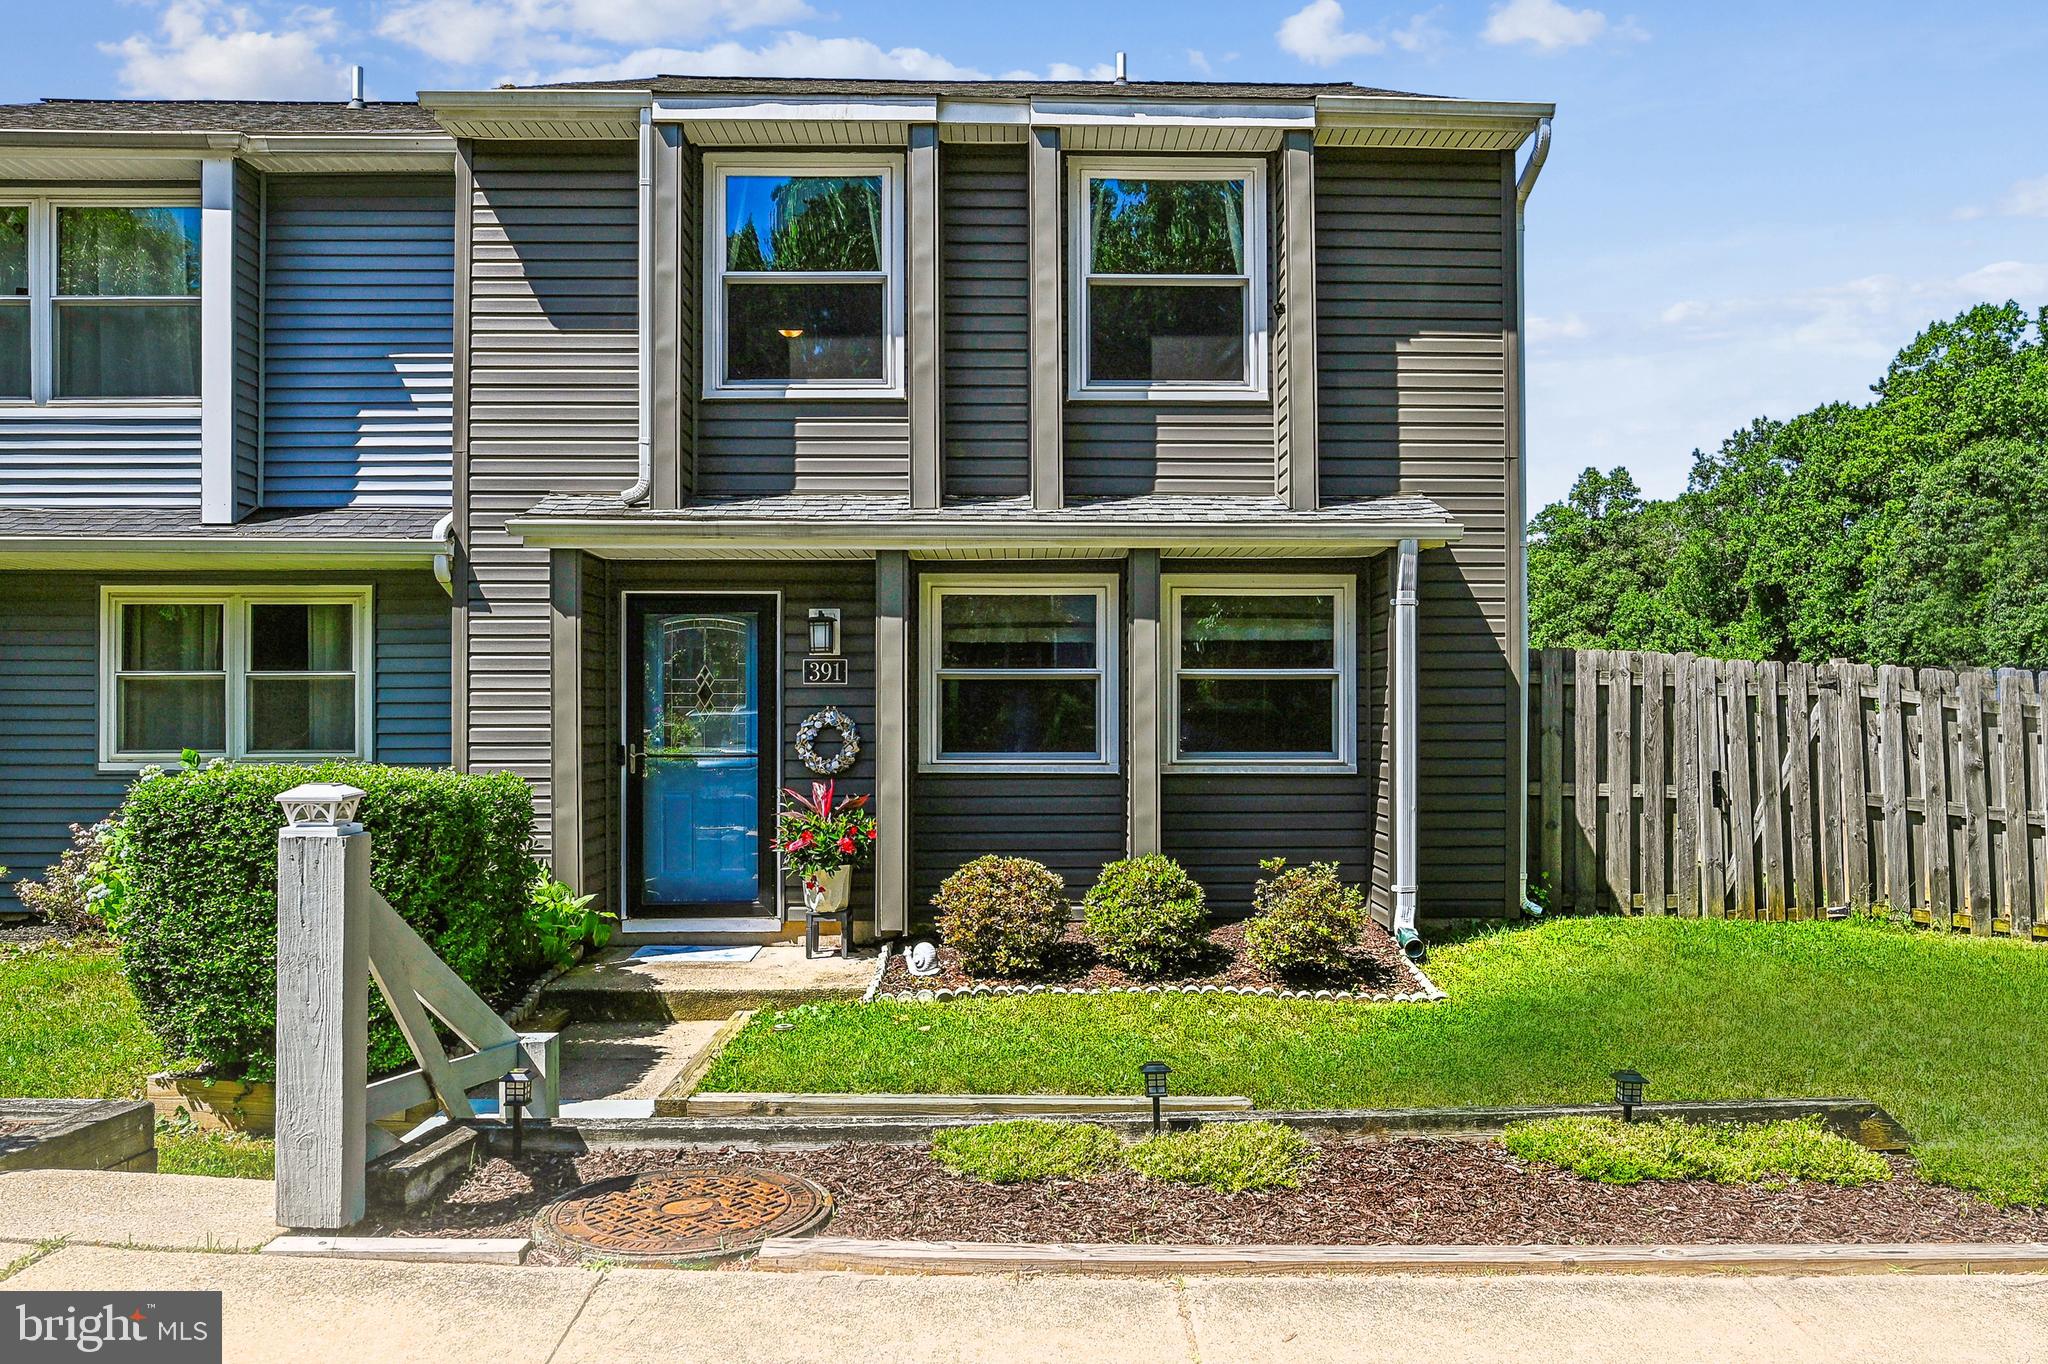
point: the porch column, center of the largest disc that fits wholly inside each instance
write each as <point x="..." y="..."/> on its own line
<point x="894" y="734"/>
<point x="1146" y="696"/>
<point x="565" y="715"/>
<point x="1402" y="685"/>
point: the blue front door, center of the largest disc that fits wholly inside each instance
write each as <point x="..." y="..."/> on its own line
<point x="699" y="781"/>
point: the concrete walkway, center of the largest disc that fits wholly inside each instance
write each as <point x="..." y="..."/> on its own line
<point x="310" y="1310"/>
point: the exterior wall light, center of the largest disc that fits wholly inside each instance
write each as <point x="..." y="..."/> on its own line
<point x="1628" y="1092"/>
<point x="824" y="629"/>
<point x="515" y="1092"/>
<point x="1155" y="1073"/>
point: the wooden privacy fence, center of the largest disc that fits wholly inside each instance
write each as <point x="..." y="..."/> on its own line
<point x="1670" y="784"/>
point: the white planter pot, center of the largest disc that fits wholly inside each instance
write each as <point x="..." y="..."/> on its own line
<point x="826" y="892"/>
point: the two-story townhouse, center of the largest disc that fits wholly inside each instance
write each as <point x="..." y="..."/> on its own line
<point x="225" y="380"/>
<point x="1133" y="466"/>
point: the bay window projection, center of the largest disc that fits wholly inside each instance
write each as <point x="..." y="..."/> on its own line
<point x="1263" y="672"/>
<point x="1019" y="675"/>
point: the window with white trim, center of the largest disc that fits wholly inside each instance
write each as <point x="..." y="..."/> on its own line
<point x="99" y="299"/>
<point x="256" y="673"/>
<point x="1019" y="673"/>
<point x="1168" y="264"/>
<point x="1263" y="671"/>
<point x="804" y="276"/>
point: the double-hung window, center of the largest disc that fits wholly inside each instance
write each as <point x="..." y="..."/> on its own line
<point x="803" y="276"/>
<point x="234" y="672"/>
<point x="99" y="299"/>
<point x="1168" y="267"/>
<point x="1019" y="674"/>
<point x="1264" y="672"/>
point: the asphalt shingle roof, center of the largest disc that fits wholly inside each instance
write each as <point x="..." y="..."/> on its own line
<point x="215" y="116"/>
<point x="988" y="89"/>
<point x="131" y="523"/>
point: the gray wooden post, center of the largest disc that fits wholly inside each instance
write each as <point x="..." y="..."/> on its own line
<point x="323" y="1000"/>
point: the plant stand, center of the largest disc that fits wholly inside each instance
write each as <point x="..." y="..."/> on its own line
<point x="827" y="897"/>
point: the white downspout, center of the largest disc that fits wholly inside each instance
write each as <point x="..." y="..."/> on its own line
<point x="643" y="439"/>
<point x="444" y="571"/>
<point x="1524" y="184"/>
<point x="1402" y="660"/>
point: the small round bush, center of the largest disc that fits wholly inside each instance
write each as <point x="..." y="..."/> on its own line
<point x="1231" y="1156"/>
<point x="1146" y="915"/>
<point x="1027" y="1148"/>
<point x="1306" y="920"/>
<point x="1003" y="915"/>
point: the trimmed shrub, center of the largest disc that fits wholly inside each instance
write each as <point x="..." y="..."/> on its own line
<point x="1305" y="920"/>
<point x="67" y="898"/>
<point x="1146" y="915"/>
<point x="1615" y="1152"/>
<point x="1027" y="1148"/>
<point x="1231" y="1156"/>
<point x="1003" y="915"/>
<point x="197" y="924"/>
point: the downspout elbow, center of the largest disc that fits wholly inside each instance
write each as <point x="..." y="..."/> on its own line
<point x="444" y="535"/>
<point x="1539" y="152"/>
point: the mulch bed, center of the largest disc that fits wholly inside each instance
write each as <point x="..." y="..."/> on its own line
<point x="1375" y="967"/>
<point x="1405" y="1191"/>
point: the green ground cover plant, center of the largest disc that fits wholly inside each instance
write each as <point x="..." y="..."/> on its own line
<point x="1615" y="1152"/>
<point x="1946" y="1033"/>
<point x="1231" y="1156"/>
<point x="1028" y="1148"/>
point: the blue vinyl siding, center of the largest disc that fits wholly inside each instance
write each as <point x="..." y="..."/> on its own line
<point x="49" y="696"/>
<point x="69" y="456"/>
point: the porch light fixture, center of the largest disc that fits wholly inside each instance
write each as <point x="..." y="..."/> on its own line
<point x="824" y="629"/>
<point x="1628" y="1092"/>
<point x="1155" y="1073"/>
<point x="515" y="1092"/>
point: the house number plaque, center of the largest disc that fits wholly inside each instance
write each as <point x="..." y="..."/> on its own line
<point x="824" y="672"/>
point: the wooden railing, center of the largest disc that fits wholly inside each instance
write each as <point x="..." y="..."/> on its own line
<point x="1670" y="784"/>
<point x="336" y="934"/>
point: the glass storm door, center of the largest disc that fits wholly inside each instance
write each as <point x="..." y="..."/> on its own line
<point x="699" y="786"/>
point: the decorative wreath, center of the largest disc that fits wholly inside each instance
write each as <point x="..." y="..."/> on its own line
<point x="840" y="723"/>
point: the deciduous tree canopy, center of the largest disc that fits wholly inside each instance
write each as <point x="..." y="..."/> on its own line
<point x="1910" y="529"/>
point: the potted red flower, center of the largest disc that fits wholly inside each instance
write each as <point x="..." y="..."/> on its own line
<point x="822" y="840"/>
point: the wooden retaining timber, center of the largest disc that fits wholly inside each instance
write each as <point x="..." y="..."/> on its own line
<point x="735" y="1104"/>
<point x="978" y="1257"/>
<point x="1671" y="784"/>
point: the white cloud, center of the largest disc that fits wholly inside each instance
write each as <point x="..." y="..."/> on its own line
<point x="1199" y="61"/>
<point x="2026" y="199"/>
<point x="1544" y="24"/>
<point x="1316" y="34"/>
<point x="472" y="32"/>
<point x="1420" y="34"/>
<point x="210" y="49"/>
<point x="789" y="54"/>
<point x="1067" y="71"/>
<point x="1569" y="327"/>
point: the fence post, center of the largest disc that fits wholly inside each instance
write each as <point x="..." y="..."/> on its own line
<point x="323" y="999"/>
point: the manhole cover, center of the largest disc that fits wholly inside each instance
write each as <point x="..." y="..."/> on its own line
<point x="681" y="1216"/>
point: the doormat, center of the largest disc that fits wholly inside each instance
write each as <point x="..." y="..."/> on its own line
<point x="701" y="952"/>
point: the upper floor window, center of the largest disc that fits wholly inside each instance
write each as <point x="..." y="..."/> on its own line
<point x="804" y="278"/>
<point x="1168" y="278"/>
<point x="99" y="300"/>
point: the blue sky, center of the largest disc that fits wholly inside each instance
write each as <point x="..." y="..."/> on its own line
<point x="1749" y="208"/>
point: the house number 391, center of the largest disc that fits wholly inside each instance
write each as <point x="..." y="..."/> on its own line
<point x="824" y="672"/>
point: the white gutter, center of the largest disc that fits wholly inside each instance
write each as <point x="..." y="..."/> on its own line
<point x="1524" y="184"/>
<point x="643" y="440"/>
<point x="1402" y="662"/>
<point x="203" y="551"/>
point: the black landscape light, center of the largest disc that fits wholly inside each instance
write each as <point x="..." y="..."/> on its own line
<point x="1155" y="1088"/>
<point x="1628" y="1092"/>
<point x="515" y="1092"/>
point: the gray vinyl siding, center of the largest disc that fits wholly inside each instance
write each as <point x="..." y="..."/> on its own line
<point x="359" y="298"/>
<point x="985" y="266"/>
<point x="1413" y="310"/>
<point x="63" y="456"/>
<point x="248" y="339"/>
<point x="1072" y="822"/>
<point x="600" y="724"/>
<point x="1116" y="449"/>
<point x="551" y="406"/>
<point x="1219" y="825"/>
<point x="847" y="586"/>
<point x="752" y="447"/>
<point x="49" y="695"/>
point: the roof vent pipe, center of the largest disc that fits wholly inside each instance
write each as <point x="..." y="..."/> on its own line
<point x="355" y="87"/>
<point x="1121" y="77"/>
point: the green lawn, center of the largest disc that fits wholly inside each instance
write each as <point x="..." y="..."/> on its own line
<point x="70" y="1029"/>
<point x="1949" y="1034"/>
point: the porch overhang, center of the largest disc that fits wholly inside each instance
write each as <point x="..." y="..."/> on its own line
<point x="170" y="539"/>
<point x="802" y="526"/>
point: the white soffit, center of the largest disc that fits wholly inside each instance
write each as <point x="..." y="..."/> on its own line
<point x="1426" y="124"/>
<point x="331" y="153"/>
<point x="1091" y="126"/>
<point x="37" y="166"/>
<point x="538" y="115"/>
<point x="797" y="122"/>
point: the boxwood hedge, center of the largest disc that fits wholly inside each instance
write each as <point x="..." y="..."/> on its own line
<point x="197" y="916"/>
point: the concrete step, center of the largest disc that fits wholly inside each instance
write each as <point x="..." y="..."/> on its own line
<point x="712" y="932"/>
<point x="616" y="987"/>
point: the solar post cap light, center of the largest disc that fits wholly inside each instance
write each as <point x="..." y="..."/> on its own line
<point x="1628" y="1092"/>
<point x="515" y="1092"/>
<point x="1155" y="1073"/>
